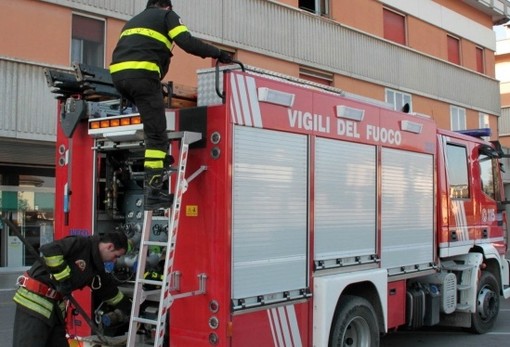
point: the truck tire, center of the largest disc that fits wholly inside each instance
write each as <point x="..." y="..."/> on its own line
<point x="354" y="324"/>
<point x="487" y="304"/>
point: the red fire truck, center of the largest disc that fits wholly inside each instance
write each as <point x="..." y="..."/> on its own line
<point x="311" y="217"/>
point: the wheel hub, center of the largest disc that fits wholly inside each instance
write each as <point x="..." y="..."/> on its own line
<point x="486" y="303"/>
<point x="357" y="334"/>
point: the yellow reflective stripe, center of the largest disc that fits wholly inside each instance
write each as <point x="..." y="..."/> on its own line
<point x="154" y="164"/>
<point x="33" y="302"/>
<point x="148" y="33"/>
<point x="176" y="31"/>
<point x="151" y="158"/>
<point x="66" y="273"/>
<point x="154" y="154"/>
<point x="54" y="261"/>
<point x="136" y="65"/>
<point x="116" y="299"/>
<point x="62" y="305"/>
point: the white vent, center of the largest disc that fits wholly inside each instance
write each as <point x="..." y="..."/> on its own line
<point x="352" y="113"/>
<point x="412" y="127"/>
<point x="449" y="287"/>
<point x="276" y="97"/>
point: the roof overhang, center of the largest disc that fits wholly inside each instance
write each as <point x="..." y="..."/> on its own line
<point x="499" y="10"/>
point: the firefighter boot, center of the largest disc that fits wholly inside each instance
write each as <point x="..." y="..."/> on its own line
<point x="154" y="193"/>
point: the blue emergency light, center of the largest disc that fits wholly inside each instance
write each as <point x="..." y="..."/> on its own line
<point x="479" y="133"/>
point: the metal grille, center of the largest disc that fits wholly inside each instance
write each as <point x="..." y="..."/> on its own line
<point x="504" y="122"/>
<point x="122" y="9"/>
<point x="29" y="110"/>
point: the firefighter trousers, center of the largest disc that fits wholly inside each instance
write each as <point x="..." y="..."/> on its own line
<point x="32" y="331"/>
<point x="147" y="95"/>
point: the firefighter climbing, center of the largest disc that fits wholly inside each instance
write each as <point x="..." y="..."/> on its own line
<point x="140" y="60"/>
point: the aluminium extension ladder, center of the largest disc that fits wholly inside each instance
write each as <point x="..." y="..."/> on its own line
<point x="165" y="299"/>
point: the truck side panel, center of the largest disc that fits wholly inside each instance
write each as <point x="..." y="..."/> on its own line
<point x="345" y="201"/>
<point x="407" y="210"/>
<point x="270" y="218"/>
<point x="73" y="199"/>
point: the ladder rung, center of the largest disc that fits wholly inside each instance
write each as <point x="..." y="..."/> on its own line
<point x="155" y="243"/>
<point x="153" y="282"/>
<point x="151" y="292"/>
<point x="144" y="320"/>
<point x="193" y="136"/>
<point x="174" y="135"/>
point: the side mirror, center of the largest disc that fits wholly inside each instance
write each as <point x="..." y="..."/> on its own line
<point x="489" y="151"/>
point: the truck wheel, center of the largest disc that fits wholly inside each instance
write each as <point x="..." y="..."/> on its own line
<point x="487" y="304"/>
<point x="354" y="324"/>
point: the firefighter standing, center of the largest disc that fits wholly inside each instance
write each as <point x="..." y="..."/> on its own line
<point x="140" y="60"/>
<point x="74" y="262"/>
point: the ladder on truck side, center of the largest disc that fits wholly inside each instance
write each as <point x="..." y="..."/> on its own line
<point x="165" y="298"/>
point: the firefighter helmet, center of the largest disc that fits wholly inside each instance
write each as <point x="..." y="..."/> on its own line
<point x="159" y="3"/>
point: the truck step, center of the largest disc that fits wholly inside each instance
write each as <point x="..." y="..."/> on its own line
<point x="452" y="266"/>
<point x="462" y="308"/>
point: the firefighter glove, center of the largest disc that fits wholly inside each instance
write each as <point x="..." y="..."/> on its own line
<point x="65" y="287"/>
<point x="225" y="57"/>
<point x="124" y="305"/>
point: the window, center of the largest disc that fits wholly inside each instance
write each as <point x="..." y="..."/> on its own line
<point x="453" y="50"/>
<point x="316" y="76"/>
<point x="483" y="122"/>
<point x="457" y="170"/>
<point x="487" y="176"/>
<point x="480" y="61"/>
<point x="320" y="7"/>
<point x="399" y="99"/>
<point x="87" y="44"/>
<point x="457" y="118"/>
<point x="394" y="26"/>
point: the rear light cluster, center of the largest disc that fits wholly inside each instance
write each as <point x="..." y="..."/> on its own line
<point x="114" y="122"/>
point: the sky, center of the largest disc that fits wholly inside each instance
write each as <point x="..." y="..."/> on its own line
<point x="501" y="32"/>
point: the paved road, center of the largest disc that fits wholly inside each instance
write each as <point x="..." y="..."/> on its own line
<point x="7" y="308"/>
<point x="437" y="337"/>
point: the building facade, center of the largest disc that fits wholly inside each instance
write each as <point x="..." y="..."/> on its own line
<point x="503" y="75"/>
<point x="437" y="56"/>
